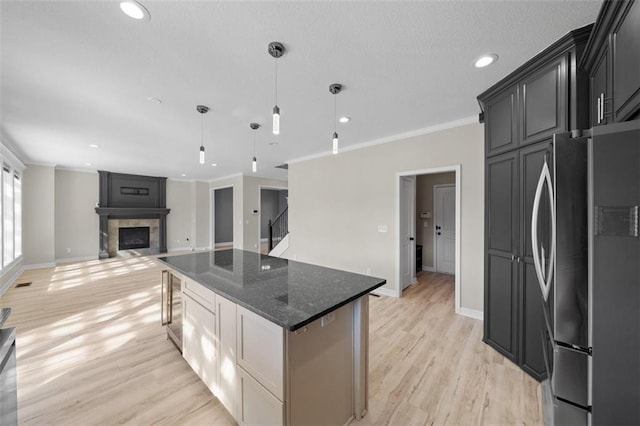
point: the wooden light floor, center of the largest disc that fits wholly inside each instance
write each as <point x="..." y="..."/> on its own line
<point x="91" y="350"/>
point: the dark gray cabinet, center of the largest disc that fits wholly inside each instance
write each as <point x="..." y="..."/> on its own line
<point x="543" y="102"/>
<point x="501" y="130"/>
<point x="521" y="113"/>
<point x="612" y="59"/>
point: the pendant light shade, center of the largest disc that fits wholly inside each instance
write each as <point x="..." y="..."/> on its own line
<point x="335" y="89"/>
<point x="254" y="162"/>
<point x="202" y="110"/>
<point x="276" y="49"/>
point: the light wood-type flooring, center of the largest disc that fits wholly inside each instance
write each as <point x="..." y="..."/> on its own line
<point x="91" y="350"/>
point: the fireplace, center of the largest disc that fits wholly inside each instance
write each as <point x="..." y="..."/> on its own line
<point x="132" y="202"/>
<point x="133" y="238"/>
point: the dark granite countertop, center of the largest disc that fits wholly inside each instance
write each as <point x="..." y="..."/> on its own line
<point x="288" y="293"/>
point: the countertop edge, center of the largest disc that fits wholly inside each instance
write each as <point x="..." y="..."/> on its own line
<point x="289" y="327"/>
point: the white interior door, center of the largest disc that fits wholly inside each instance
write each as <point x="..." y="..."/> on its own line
<point x="445" y="228"/>
<point x="407" y="229"/>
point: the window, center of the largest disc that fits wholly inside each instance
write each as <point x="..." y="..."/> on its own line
<point x="7" y="216"/>
<point x="10" y="208"/>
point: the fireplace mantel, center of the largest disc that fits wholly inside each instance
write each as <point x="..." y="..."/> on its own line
<point x="132" y="212"/>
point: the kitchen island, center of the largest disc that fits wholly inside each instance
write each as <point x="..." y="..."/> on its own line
<point x="276" y="341"/>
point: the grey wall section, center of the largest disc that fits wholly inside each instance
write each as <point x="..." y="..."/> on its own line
<point x="76" y="221"/>
<point x="223" y="215"/>
<point x="272" y="202"/>
<point x="38" y="216"/>
<point x="181" y="217"/>
<point x="203" y="218"/>
<point x="251" y="196"/>
<point x="424" y="203"/>
<point x="336" y="203"/>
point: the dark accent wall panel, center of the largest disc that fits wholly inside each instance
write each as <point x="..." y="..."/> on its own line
<point x="125" y="190"/>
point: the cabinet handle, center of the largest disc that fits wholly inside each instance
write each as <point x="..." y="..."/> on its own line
<point x="513" y="258"/>
<point x="602" y="106"/>
<point x="599" y="111"/>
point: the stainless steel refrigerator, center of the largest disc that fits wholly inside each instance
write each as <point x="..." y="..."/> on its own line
<point x="586" y="213"/>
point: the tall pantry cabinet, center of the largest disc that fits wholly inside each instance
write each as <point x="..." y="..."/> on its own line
<point x="546" y="95"/>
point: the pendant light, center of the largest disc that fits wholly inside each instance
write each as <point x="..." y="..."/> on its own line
<point x="335" y="89"/>
<point x="254" y="162"/>
<point x="202" y="110"/>
<point x="276" y="49"/>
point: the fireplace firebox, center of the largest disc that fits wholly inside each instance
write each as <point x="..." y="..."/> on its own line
<point x="133" y="238"/>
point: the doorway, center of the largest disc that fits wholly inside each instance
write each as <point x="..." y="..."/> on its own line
<point x="426" y="243"/>
<point x="222" y="217"/>
<point x="273" y="202"/>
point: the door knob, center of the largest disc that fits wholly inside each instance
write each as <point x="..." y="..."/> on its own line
<point x="439" y="233"/>
<point x="438" y="227"/>
<point x="410" y="238"/>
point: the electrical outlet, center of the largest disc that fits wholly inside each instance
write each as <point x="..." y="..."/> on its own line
<point x="68" y="250"/>
<point x="328" y="319"/>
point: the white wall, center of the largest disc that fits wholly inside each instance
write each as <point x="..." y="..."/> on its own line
<point x="337" y="202"/>
<point x="38" y="216"/>
<point x="76" y="221"/>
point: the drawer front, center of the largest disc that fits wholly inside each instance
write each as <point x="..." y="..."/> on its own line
<point x="260" y="345"/>
<point x="570" y="375"/>
<point x="199" y="344"/>
<point x="257" y="406"/>
<point x="200" y="294"/>
<point x="567" y="414"/>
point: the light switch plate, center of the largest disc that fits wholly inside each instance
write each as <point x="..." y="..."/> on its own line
<point x="382" y="228"/>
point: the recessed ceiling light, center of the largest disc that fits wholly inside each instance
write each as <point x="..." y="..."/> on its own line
<point x="135" y="10"/>
<point x="183" y="175"/>
<point x="87" y="164"/>
<point x="93" y="145"/>
<point x="485" y="60"/>
<point x="345" y="119"/>
<point x="273" y="143"/>
<point x="154" y="100"/>
<point x="213" y="164"/>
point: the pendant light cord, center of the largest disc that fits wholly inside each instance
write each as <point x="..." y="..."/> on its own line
<point x="335" y="115"/>
<point x="276" y="79"/>
<point x="201" y="129"/>
<point x="253" y="137"/>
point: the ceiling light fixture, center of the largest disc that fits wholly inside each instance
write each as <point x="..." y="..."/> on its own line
<point x="135" y="10"/>
<point x="93" y="145"/>
<point x="335" y="89"/>
<point x="345" y="119"/>
<point x="276" y="49"/>
<point x="254" y="162"/>
<point x="485" y="60"/>
<point x="202" y="110"/>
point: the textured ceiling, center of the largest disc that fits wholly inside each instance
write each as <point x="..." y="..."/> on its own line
<point x="81" y="72"/>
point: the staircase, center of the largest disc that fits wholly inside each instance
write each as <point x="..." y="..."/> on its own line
<point x="279" y="233"/>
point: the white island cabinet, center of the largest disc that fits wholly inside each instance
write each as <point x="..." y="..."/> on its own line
<point x="277" y="342"/>
<point x="264" y="374"/>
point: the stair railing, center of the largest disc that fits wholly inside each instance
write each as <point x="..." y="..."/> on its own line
<point x="278" y="228"/>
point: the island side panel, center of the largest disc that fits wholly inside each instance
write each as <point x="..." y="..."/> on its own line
<point x="320" y="359"/>
<point x="361" y="356"/>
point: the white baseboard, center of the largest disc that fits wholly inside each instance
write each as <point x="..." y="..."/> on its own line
<point x="39" y="266"/>
<point x="8" y="282"/>
<point x="472" y="313"/>
<point x="172" y="250"/>
<point x="385" y="292"/>
<point x="76" y="259"/>
<point x="428" y="268"/>
<point x="218" y="245"/>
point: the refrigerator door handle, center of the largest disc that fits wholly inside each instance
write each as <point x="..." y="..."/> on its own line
<point x="544" y="276"/>
<point x="163" y="303"/>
